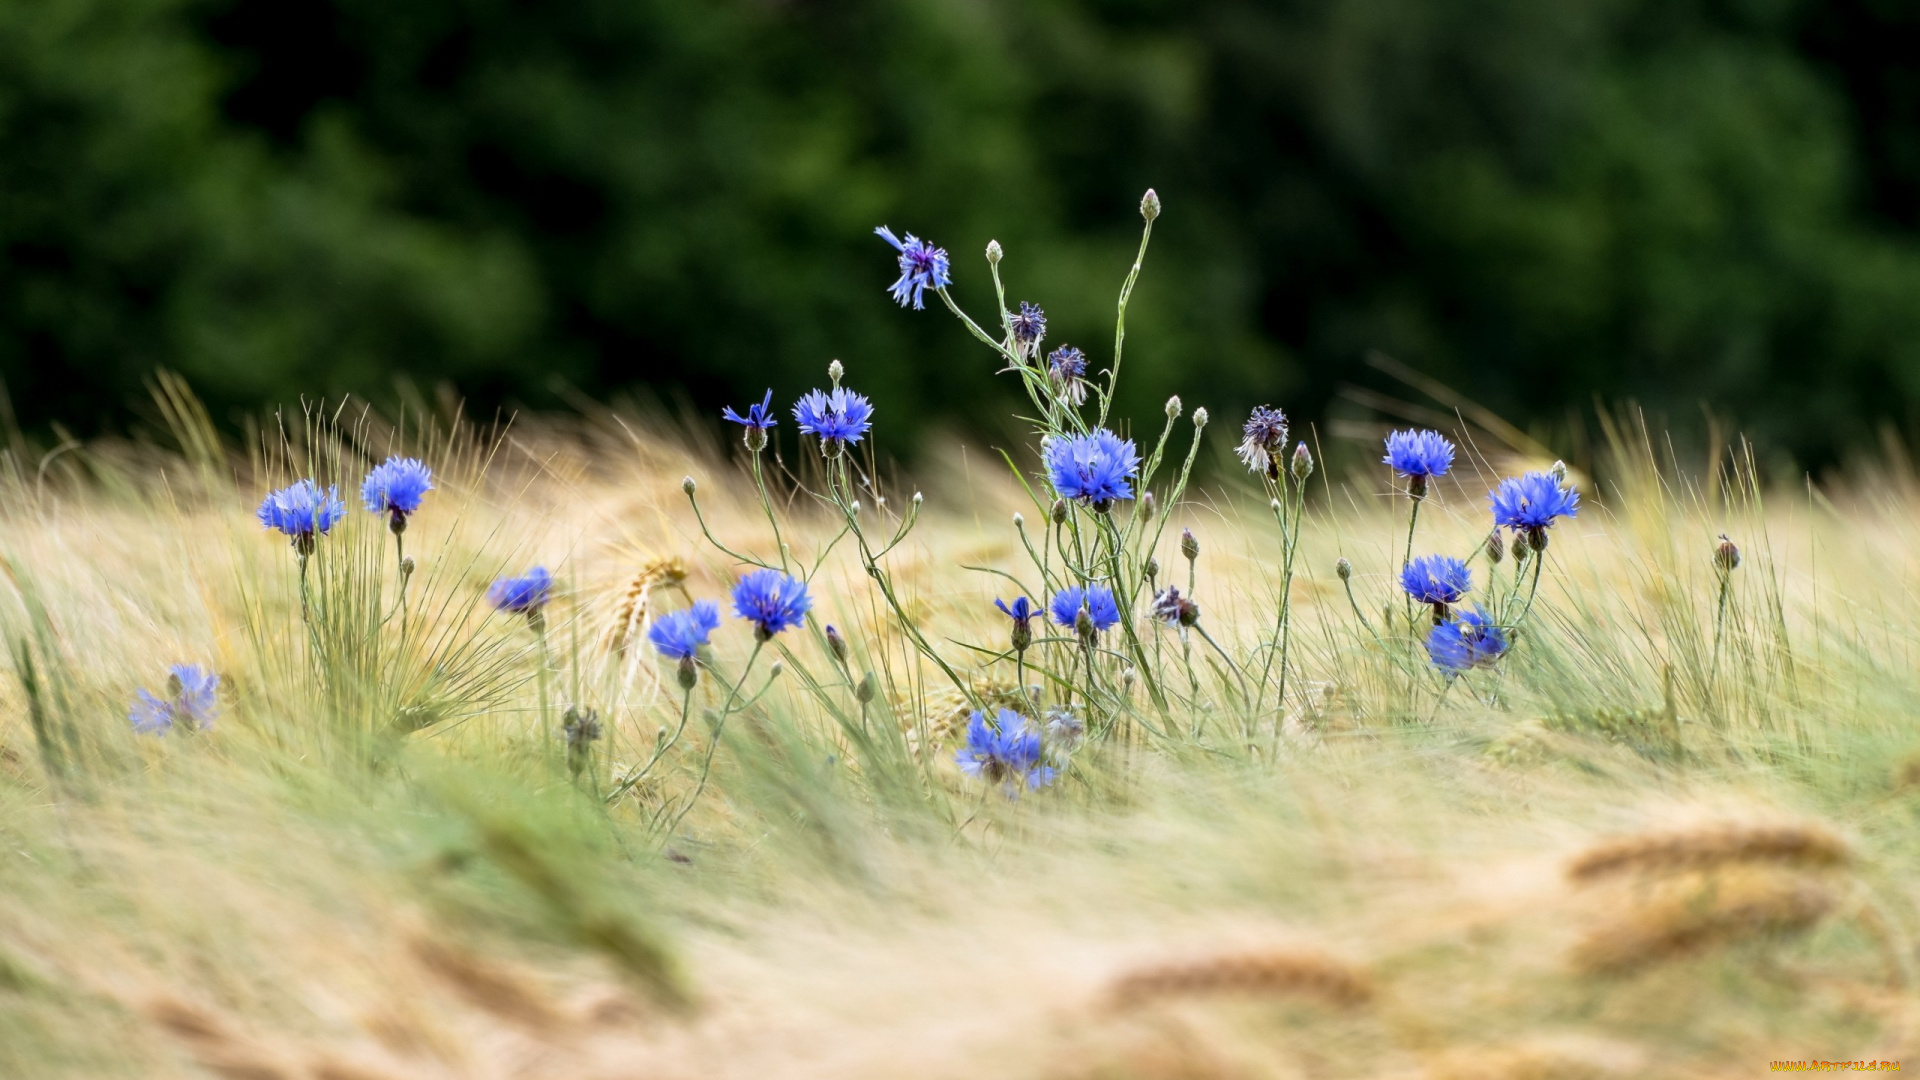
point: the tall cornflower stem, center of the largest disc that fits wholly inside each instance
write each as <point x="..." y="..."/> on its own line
<point x="1289" y="514"/>
<point x="1129" y="591"/>
<point x="719" y="729"/>
<point x="1413" y="520"/>
<point x="1719" y="625"/>
<point x="1032" y="376"/>
<point x="1173" y="496"/>
<point x="839" y="486"/>
<point x="1120" y="321"/>
<point x="694" y="501"/>
<point x="660" y="750"/>
<point x="539" y="622"/>
<point x="766" y="504"/>
<point x="306" y="615"/>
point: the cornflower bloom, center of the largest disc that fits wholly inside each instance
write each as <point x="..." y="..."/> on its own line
<point x="394" y="488"/>
<point x="1094" y="468"/>
<point x="772" y="601"/>
<point x="1067" y="367"/>
<point x="680" y="635"/>
<point x="838" y="417"/>
<point x="1439" y="580"/>
<point x="524" y="595"/>
<point x="1467" y="641"/>
<point x="758" y="421"/>
<point x="302" y="512"/>
<point x="1096" y="600"/>
<point x="922" y="267"/>
<point x="190" y="701"/>
<point x="1004" y="751"/>
<point x="1028" y="328"/>
<point x="1530" y="504"/>
<point x="1263" y="441"/>
<point x="1022" y="612"/>
<point x="1419" y="456"/>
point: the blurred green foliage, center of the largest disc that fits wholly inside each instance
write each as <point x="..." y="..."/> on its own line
<point x="1538" y="201"/>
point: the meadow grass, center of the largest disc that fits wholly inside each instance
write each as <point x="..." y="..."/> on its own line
<point x="1626" y="850"/>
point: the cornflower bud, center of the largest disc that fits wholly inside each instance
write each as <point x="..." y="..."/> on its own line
<point x="1343" y="569"/>
<point x="1302" y="462"/>
<point x="687" y="486"/>
<point x="1496" y="547"/>
<point x="1152" y="568"/>
<point x="1173" y="407"/>
<point x="1189" y="544"/>
<point x="836" y="644"/>
<point x="1146" y="504"/>
<point x="836" y="371"/>
<point x="1059" y="511"/>
<point x="688" y="675"/>
<point x="918" y="499"/>
<point x="1200" y="417"/>
<point x="863" y="693"/>
<point x="993" y="253"/>
<point x="774" y="671"/>
<point x="855" y="507"/>
<point x="1019" y="520"/>
<point x="1083" y="624"/>
<point x="1558" y="470"/>
<point x="406" y="566"/>
<point x="1150" y="205"/>
<point x="1727" y="555"/>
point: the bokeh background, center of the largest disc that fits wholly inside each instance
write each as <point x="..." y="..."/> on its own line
<point x="1702" y="205"/>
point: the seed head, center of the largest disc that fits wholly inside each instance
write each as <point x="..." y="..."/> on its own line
<point x="1150" y="205"/>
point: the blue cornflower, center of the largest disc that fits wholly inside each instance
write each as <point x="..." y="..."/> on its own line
<point x="1068" y="368"/>
<point x="922" y="267"/>
<point x="302" y="511"/>
<point x="1436" y="579"/>
<point x="758" y="420"/>
<point x="524" y="595"/>
<point x="190" y="701"/>
<point x="1263" y="441"/>
<point x="838" y="417"/>
<point x="1022" y="612"/>
<point x="395" y="488"/>
<point x="1530" y="504"/>
<point x="1094" y="468"/>
<point x="1097" y="599"/>
<point x="772" y="601"/>
<point x="1028" y="328"/>
<point x="1004" y="751"/>
<point x="1469" y="640"/>
<point x="1419" y="453"/>
<point x="679" y="636"/>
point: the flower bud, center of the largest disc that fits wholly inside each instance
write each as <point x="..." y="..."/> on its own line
<point x="863" y="693"/>
<point x="1520" y="548"/>
<point x="1173" y="406"/>
<point x="1022" y="635"/>
<point x="1302" y="462"/>
<point x="1146" y="504"/>
<point x="687" y="486"/>
<point x="1126" y="680"/>
<point x="774" y="671"/>
<point x="993" y="253"/>
<point x="1496" y="547"/>
<point x="406" y="566"/>
<point x="1189" y="544"/>
<point x="1416" y="487"/>
<point x="1019" y="520"/>
<point x="918" y="500"/>
<point x="1200" y="417"/>
<point x="1083" y="624"/>
<point x="836" y="644"/>
<point x="1727" y="555"/>
<point x="1343" y="569"/>
<point x="1558" y="470"/>
<point x="1273" y="505"/>
<point x="1150" y="205"/>
<point x="836" y="371"/>
<point x="397" y="522"/>
<point x="1152" y="568"/>
<point x="1059" y="511"/>
<point x="855" y="507"/>
<point x="688" y="675"/>
<point x="756" y="438"/>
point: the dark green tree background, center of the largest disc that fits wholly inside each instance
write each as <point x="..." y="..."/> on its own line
<point x="1537" y="201"/>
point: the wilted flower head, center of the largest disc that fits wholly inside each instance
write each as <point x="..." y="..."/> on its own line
<point x="1436" y="579"/>
<point x="1028" y="328"/>
<point x="681" y="634"/>
<point x="1726" y="555"/>
<point x="582" y="726"/>
<point x="1064" y="728"/>
<point x="1004" y="751"/>
<point x="1173" y="609"/>
<point x="772" y="601"/>
<point x="395" y="488"/>
<point x="758" y="421"/>
<point x="302" y="511"/>
<point x="524" y="595"/>
<point x="190" y="702"/>
<point x="922" y="267"/>
<point x="1094" y="468"/>
<point x="1096" y="599"/>
<point x="838" y="417"/>
<point x="1468" y="640"/>
<point x="1263" y="440"/>
<point x="1067" y="367"/>
<point x="1530" y="504"/>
